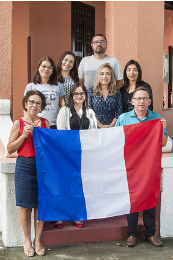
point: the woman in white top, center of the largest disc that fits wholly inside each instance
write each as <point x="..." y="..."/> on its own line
<point x="45" y="81"/>
<point x="76" y="116"/>
<point x="67" y="72"/>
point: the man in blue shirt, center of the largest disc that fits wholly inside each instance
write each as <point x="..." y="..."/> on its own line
<point x="141" y="101"/>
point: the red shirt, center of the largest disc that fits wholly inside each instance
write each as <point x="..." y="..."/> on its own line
<point x="27" y="148"/>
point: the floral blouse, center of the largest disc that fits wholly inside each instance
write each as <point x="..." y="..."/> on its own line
<point x="106" y="111"/>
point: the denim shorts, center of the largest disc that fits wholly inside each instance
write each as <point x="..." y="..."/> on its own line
<point x="26" y="186"/>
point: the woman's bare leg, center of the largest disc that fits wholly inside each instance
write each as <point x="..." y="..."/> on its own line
<point x="38" y="231"/>
<point x="25" y="218"/>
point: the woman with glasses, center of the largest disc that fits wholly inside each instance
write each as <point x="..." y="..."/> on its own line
<point x="45" y="80"/>
<point x="104" y="98"/>
<point x="76" y="116"/>
<point x="26" y="187"/>
<point x="67" y="72"/>
<point x="132" y="80"/>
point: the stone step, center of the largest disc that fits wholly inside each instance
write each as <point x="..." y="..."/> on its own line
<point x="108" y="229"/>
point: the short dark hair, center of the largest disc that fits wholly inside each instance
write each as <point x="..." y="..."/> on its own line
<point x="31" y="93"/>
<point x="72" y="91"/>
<point x="73" y="71"/>
<point x="141" y="88"/>
<point x="53" y="77"/>
<point x="139" y="79"/>
<point x="99" y="34"/>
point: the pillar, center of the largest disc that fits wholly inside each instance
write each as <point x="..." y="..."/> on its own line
<point x="135" y="30"/>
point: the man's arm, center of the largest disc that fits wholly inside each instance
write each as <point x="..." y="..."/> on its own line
<point x="164" y="141"/>
<point x="81" y="71"/>
<point x="82" y="81"/>
<point x="119" y="83"/>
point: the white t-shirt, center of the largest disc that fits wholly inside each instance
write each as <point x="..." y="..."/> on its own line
<point x="89" y="66"/>
<point x="52" y="93"/>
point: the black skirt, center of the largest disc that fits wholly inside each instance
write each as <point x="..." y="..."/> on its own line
<point x="26" y="186"/>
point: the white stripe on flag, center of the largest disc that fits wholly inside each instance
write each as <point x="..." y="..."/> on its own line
<point x="103" y="163"/>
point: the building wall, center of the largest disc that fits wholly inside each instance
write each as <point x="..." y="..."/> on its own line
<point x="168" y="41"/>
<point x="140" y="36"/>
<point x="6" y="50"/>
<point x="20" y="29"/>
<point x="49" y="25"/>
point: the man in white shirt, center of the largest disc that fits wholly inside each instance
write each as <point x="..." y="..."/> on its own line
<point x="90" y="64"/>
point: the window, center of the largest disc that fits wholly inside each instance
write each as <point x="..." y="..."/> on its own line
<point x="82" y="29"/>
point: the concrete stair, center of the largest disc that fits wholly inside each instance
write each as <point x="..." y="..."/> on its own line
<point x="109" y="229"/>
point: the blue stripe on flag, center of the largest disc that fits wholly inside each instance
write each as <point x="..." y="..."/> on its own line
<point x="60" y="191"/>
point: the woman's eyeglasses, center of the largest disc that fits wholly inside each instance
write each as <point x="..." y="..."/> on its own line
<point x="141" y="98"/>
<point x="76" y="94"/>
<point x="33" y="103"/>
<point x="45" y="67"/>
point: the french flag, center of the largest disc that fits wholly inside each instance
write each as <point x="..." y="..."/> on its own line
<point x="98" y="173"/>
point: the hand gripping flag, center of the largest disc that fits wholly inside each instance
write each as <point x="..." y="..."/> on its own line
<point x="98" y="173"/>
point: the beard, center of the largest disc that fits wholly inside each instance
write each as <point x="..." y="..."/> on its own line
<point x="100" y="50"/>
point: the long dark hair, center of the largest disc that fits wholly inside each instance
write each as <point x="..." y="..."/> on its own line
<point x="139" y="79"/>
<point x="53" y="77"/>
<point x="72" y="91"/>
<point x="73" y="71"/>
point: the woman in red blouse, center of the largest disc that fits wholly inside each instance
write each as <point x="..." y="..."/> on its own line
<point x="26" y="187"/>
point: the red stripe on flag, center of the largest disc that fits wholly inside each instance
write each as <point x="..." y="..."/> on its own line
<point x="143" y="152"/>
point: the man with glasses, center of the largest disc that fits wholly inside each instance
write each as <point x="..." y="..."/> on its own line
<point x="90" y="64"/>
<point x="141" y="100"/>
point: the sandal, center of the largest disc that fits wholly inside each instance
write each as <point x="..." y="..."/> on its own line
<point x="29" y="253"/>
<point x="40" y="252"/>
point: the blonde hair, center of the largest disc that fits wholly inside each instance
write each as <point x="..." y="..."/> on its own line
<point x="112" y="86"/>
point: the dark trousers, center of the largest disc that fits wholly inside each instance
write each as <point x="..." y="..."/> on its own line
<point x="149" y="218"/>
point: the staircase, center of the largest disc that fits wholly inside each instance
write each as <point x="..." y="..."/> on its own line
<point x="108" y="229"/>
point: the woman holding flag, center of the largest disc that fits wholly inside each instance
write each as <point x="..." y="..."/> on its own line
<point x="76" y="116"/>
<point x="104" y="98"/>
<point x="26" y="187"/>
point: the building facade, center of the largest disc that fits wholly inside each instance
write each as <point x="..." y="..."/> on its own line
<point x="140" y="30"/>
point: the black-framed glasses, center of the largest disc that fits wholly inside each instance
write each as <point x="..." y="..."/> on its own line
<point x="97" y="42"/>
<point x="76" y="94"/>
<point x="45" y="67"/>
<point x="142" y="98"/>
<point x="33" y="103"/>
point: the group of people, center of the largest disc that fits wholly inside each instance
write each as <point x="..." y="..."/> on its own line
<point x="65" y="97"/>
